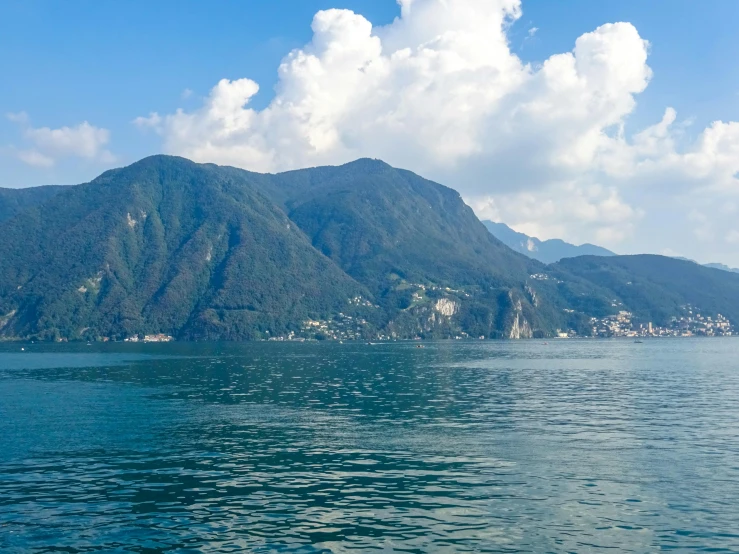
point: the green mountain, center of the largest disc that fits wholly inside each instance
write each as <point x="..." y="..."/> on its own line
<point x="362" y="250"/>
<point x="655" y="288"/>
<point x="414" y="243"/>
<point x="208" y="252"/>
<point x="164" y="245"/>
<point x="14" y="201"/>
<point x="377" y="223"/>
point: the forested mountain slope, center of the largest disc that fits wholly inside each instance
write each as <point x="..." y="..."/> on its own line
<point x="164" y="245"/>
<point x="14" y="201"/>
<point x="361" y="250"/>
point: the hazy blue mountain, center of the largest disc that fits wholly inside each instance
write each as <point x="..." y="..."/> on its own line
<point x="14" y="201"/>
<point x="547" y="251"/>
<point x="723" y="267"/>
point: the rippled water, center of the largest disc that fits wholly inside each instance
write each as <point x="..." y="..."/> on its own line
<point x="458" y="447"/>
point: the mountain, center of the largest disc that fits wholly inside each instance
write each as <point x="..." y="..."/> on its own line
<point x="379" y="223"/>
<point x="14" y="201"/>
<point x="722" y="267"/>
<point x="164" y="245"/>
<point x="358" y="251"/>
<point x="547" y="251"/>
<point x="554" y="250"/>
<point x="416" y="246"/>
<point x="655" y="288"/>
<point x="208" y="252"/>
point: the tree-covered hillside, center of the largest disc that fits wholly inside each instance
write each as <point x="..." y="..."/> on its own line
<point x="655" y="288"/>
<point x="361" y="250"/>
<point x="14" y="201"/>
<point x="408" y="239"/>
<point x="164" y="245"/>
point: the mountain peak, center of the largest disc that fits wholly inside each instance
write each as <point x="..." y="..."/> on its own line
<point x="371" y="165"/>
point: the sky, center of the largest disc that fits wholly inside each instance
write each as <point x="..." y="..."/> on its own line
<point x="610" y="122"/>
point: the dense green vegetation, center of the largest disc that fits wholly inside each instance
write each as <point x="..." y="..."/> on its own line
<point x="14" y="201"/>
<point x="654" y="288"/>
<point x="164" y="245"/>
<point x="357" y="251"/>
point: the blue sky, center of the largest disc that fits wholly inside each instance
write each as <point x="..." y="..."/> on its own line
<point x="108" y="63"/>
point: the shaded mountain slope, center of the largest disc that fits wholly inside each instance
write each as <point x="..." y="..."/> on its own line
<point x="162" y="245"/>
<point x="376" y="221"/>
<point x="392" y="231"/>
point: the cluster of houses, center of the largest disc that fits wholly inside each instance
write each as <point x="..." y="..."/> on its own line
<point x="159" y="337"/>
<point x="342" y="327"/>
<point x="691" y="324"/>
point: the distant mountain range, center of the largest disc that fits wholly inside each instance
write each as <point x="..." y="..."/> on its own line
<point x="722" y="267"/>
<point x="554" y="250"/>
<point x="358" y="251"/>
<point x="546" y="251"/>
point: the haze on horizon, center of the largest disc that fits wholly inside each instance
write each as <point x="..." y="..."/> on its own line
<point x="611" y="125"/>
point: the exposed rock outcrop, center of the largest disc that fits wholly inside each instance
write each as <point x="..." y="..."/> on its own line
<point x="521" y="328"/>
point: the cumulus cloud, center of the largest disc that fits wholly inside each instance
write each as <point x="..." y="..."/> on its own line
<point x="47" y="146"/>
<point x="439" y="91"/>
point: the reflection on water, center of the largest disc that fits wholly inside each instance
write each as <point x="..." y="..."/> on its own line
<point x="458" y="447"/>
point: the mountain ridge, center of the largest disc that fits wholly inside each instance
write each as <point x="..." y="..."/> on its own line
<point x="547" y="251"/>
<point x="357" y="251"/>
<point x="14" y="201"/>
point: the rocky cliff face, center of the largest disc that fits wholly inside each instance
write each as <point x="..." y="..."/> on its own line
<point x="520" y="328"/>
<point x="446" y="307"/>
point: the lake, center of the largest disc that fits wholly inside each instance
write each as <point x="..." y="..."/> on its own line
<point x="489" y="446"/>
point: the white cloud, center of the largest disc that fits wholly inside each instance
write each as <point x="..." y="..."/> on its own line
<point x="568" y="210"/>
<point x="440" y="92"/>
<point x="47" y="146"/>
<point x="533" y="31"/>
<point x="405" y="6"/>
<point x="34" y="157"/>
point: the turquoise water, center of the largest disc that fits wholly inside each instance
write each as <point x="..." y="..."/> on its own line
<point x="571" y="446"/>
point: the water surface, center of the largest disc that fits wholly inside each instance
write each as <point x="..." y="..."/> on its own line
<point x="571" y="446"/>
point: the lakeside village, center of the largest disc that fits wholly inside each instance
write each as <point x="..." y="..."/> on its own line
<point x="345" y="327"/>
<point x="150" y="338"/>
<point x="691" y="324"/>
